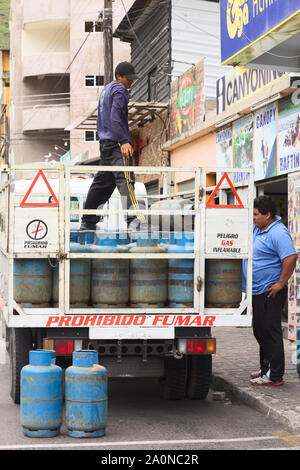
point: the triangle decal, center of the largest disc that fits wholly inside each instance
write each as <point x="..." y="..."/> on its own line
<point x="209" y="203"/>
<point x="55" y="202"/>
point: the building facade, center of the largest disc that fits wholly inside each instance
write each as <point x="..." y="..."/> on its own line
<point x="167" y="38"/>
<point x="57" y="70"/>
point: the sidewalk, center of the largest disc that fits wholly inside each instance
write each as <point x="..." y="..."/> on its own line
<point x="236" y="357"/>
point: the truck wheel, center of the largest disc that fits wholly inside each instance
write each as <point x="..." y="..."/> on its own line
<point x="20" y="345"/>
<point x="199" y="377"/>
<point x="174" y="382"/>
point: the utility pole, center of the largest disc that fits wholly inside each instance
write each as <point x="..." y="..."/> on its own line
<point x="108" y="42"/>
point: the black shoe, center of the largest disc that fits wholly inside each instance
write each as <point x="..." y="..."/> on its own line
<point x="87" y="226"/>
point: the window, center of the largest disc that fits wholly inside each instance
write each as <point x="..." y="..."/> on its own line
<point x="93" y="26"/>
<point x="74" y="204"/>
<point x="93" y="80"/>
<point x="91" y="136"/>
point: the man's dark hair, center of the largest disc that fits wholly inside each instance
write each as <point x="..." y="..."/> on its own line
<point x="265" y="204"/>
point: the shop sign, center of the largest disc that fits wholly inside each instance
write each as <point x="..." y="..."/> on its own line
<point x="288" y="136"/>
<point x="242" y="146"/>
<point x="265" y="142"/>
<point x="224" y="149"/>
<point x="187" y="101"/>
<point x="294" y="229"/>
<point x="241" y="84"/>
<point x="252" y="27"/>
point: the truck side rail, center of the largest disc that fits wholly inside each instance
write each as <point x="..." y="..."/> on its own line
<point x="208" y="223"/>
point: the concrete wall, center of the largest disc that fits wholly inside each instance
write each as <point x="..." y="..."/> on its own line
<point x="152" y="135"/>
<point x="200" y="152"/>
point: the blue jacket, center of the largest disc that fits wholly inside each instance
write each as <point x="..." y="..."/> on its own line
<point x="112" y="121"/>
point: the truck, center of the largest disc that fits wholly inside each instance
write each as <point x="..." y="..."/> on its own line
<point x="168" y="341"/>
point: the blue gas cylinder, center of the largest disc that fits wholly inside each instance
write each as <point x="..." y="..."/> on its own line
<point x="181" y="271"/>
<point x="80" y="272"/>
<point x="41" y="395"/>
<point x="148" y="277"/>
<point x="86" y="396"/>
<point x="110" y="277"/>
<point x="223" y="283"/>
<point x="32" y="282"/>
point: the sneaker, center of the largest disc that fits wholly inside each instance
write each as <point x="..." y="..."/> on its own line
<point x="87" y="226"/>
<point x="260" y="380"/>
<point x="264" y="380"/>
<point x="255" y="375"/>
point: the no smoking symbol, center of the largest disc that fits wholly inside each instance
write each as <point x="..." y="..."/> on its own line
<point x="36" y="229"/>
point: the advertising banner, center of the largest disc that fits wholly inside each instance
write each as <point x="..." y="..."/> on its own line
<point x="250" y="27"/>
<point x="187" y="101"/>
<point x="294" y="228"/>
<point x="288" y="136"/>
<point x="242" y="146"/>
<point x="265" y="142"/>
<point x="224" y="149"/>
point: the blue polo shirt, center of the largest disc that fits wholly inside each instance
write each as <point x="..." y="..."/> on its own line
<point x="270" y="247"/>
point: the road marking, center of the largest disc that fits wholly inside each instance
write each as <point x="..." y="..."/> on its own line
<point x="107" y="444"/>
<point x="287" y="437"/>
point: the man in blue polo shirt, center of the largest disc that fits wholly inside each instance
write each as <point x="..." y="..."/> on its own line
<point x="274" y="260"/>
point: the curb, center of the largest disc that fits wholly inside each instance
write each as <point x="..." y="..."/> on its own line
<point x="288" y="418"/>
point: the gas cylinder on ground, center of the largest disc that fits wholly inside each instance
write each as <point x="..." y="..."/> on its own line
<point x="148" y="277"/>
<point x="80" y="272"/>
<point x="223" y="283"/>
<point x="110" y="277"/>
<point x="181" y="271"/>
<point x="41" y="395"/>
<point x="32" y="282"/>
<point x="86" y="396"/>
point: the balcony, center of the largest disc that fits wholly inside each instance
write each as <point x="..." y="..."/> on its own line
<point x="53" y="63"/>
<point x="44" y="112"/>
<point x="41" y="10"/>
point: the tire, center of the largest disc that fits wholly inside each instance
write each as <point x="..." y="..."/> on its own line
<point x="174" y="382"/>
<point x="20" y="345"/>
<point x="199" y="377"/>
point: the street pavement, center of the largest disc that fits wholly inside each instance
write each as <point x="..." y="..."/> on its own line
<point x="236" y="357"/>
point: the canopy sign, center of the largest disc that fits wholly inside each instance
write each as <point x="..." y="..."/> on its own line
<point x="251" y="27"/>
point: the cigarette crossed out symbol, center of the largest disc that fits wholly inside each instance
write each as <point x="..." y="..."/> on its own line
<point x="36" y="229"/>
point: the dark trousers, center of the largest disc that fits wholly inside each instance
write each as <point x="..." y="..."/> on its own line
<point x="267" y="330"/>
<point x="105" y="182"/>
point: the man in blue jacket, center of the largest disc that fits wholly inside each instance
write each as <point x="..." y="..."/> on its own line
<point x="115" y="149"/>
<point x="274" y="260"/>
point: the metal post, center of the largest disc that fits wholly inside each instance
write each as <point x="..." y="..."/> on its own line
<point x="108" y="42"/>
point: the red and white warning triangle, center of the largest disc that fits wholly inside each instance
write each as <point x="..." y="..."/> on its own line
<point x="54" y="203"/>
<point x="209" y="202"/>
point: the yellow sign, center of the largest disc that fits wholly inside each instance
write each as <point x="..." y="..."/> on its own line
<point x="237" y="17"/>
<point x="241" y="83"/>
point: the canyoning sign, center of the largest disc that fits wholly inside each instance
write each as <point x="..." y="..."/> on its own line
<point x="241" y="84"/>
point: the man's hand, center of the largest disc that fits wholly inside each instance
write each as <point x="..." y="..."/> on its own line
<point x="275" y="288"/>
<point x="127" y="150"/>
